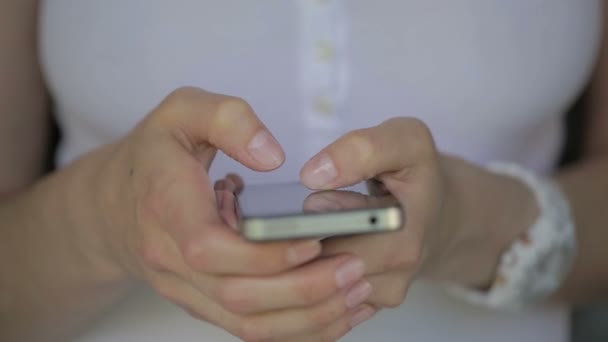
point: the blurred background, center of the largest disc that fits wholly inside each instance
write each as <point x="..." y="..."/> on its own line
<point x="589" y="324"/>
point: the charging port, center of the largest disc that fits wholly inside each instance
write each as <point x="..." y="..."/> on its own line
<point x="373" y="220"/>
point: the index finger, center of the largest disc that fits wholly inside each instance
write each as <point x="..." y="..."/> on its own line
<point x="225" y="253"/>
<point x="231" y="182"/>
<point x="208" y="245"/>
<point x="197" y="118"/>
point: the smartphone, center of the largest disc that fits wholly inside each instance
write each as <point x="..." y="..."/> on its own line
<point x="291" y="211"/>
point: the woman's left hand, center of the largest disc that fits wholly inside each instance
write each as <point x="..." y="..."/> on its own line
<point x="454" y="217"/>
<point x="402" y="155"/>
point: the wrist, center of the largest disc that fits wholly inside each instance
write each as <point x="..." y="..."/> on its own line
<point x="483" y="215"/>
<point x="71" y="198"/>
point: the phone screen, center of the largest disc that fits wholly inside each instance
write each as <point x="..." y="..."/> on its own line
<point x="273" y="200"/>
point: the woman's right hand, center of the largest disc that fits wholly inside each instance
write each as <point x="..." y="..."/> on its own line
<point x="160" y="223"/>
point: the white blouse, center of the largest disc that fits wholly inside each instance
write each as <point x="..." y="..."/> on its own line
<point x="492" y="78"/>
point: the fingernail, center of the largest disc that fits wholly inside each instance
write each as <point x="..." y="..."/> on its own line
<point x="303" y="251"/>
<point x="319" y="172"/>
<point x="265" y="150"/>
<point x="358" y="294"/>
<point x="361" y="316"/>
<point x="349" y="272"/>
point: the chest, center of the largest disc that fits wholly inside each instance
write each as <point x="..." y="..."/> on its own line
<point x="315" y="68"/>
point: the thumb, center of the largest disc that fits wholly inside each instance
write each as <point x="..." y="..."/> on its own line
<point x="202" y="122"/>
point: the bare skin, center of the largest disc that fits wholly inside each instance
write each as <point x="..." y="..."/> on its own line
<point x="84" y="235"/>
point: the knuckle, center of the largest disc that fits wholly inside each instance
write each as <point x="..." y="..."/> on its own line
<point x="193" y="313"/>
<point x="420" y="137"/>
<point x="167" y="291"/>
<point x="232" y="297"/>
<point x="173" y="106"/>
<point x="178" y="101"/>
<point x="419" y="126"/>
<point x="175" y="102"/>
<point x="361" y="144"/>
<point x="395" y="296"/>
<point x="230" y="111"/>
<point x="268" y="264"/>
<point x="397" y="261"/>
<point x="396" y="299"/>
<point x="232" y="104"/>
<point x="335" y="333"/>
<point x="309" y="293"/>
<point x="251" y="330"/>
<point x="180" y="96"/>
<point x="197" y="256"/>
<point x="412" y="124"/>
<point x="152" y="254"/>
<point x="325" y="315"/>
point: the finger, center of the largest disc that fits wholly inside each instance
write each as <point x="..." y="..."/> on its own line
<point x="332" y="200"/>
<point x="399" y="250"/>
<point x="219" y="194"/>
<point x="197" y="118"/>
<point x="228" y="210"/>
<point x="376" y="188"/>
<point x="202" y="307"/>
<point x="341" y="327"/>
<point x="226" y="207"/>
<point x="284" y="324"/>
<point x="159" y="253"/>
<point x="189" y="214"/>
<point x="275" y="325"/>
<point x="305" y="286"/>
<point x="224" y="190"/>
<point x="224" y="184"/>
<point x="363" y="314"/>
<point x="221" y="250"/>
<point x="237" y="181"/>
<point x="186" y="296"/>
<point x="389" y="289"/>
<point x="232" y="182"/>
<point x="208" y="245"/>
<point x="395" y="145"/>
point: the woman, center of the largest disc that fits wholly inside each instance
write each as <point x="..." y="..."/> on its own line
<point x="133" y="201"/>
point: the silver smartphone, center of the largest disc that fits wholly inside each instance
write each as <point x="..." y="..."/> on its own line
<point x="291" y="211"/>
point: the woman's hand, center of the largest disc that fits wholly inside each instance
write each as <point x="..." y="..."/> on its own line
<point x="351" y="297"/>
<point x="438" y="239"/>
<point x="400" y="153"/>
<point x="160" y="222"/>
